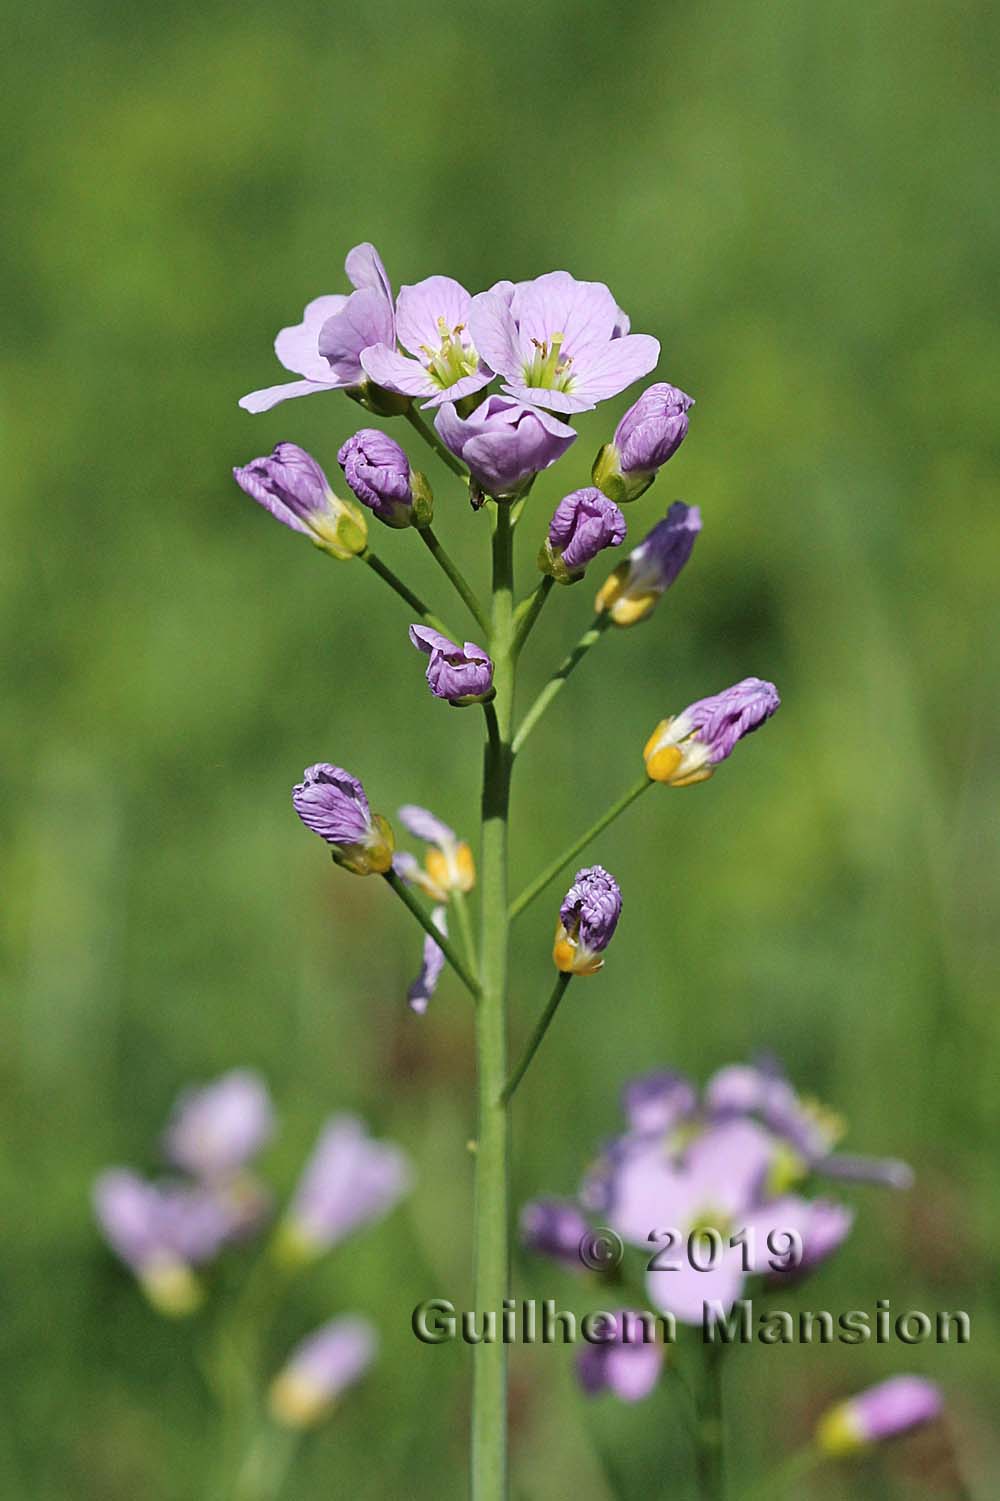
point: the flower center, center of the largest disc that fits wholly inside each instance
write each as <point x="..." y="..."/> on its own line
<point x="549" y="368"/>
<point x="453" y="357"/>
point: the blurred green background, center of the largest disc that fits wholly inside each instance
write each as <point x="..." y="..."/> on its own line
<point x="801" y="202"/>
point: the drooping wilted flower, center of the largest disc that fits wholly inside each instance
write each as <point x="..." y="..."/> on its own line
<point x="432" y="323"/>
<point x="460" y="674"/>
<point x="378" y="471"/>
<point x="325" y="348"/>
<point x="687" y="748"/>
<point x="631" y="592"/>
<point x="333" y="804"/>
<point x="881" y="1412"/>
<point x="559" y="343"/>
<point x="292" y="486"/>
<point x="628" y="1364"/>
<point x="431" y="964"/>
<point x="216" y="1130"/>
<point x="649" y="434"/>
<point x="587" y="920"/>
<point x="555" y="1228"/>
<point x="322" y="1366"/>
<point x="584" y="523"/>
<point x="349" y="1181"/>
<point x="503" y="442"/>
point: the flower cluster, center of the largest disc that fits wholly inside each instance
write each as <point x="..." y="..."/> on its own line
<point x="167" y="1230"/>
<point x="729" y="1162"/>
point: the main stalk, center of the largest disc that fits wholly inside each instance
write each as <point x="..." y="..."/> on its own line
<point x="491" y="1273"/>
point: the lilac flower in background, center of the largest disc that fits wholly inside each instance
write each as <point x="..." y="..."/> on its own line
<point x="431" y="965"/>
<point x="628" y="1364"/>
<point x="161" y="1232"/>
<point x="503" y="442"/>
<point x="333" y="805"/>
<point x="322" y="1366"/>
<point x="658" y="1102"/>
<point x="378" y="471"/>
<point x="687" y="748"/>
<point x="216" y="1130"/>
<point x="822" y="1225"/>
<point x="587" y="920"/>
<point x="292" y="486"/>
<point x="632" y="591"/>
<point x="449" y="864"/>
<point x="349" y="1181"/>
<point x="649" y="434"/>
<point x="326" y="347"/>
<point x="559" y="343"/>
<point x="584" y="523"/>
<point x="885" y="1411"/>
<point x="460" y="674"/>
<point x="555" y="1228"/>
<point x="432" y="320"/>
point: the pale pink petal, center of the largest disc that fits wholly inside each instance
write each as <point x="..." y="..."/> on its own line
<point x="556" y="401"/>
<point x="420" y="306"/>
<point x="617" y="365"/>
<point x="463" y="387"/>
<point x="365" y="269"/>
<point x="494" y="333"/>
<point x="270" y="396"/>
<point x="395" y="372"/>
<point x="297" y="347"/>
<point x="364" y="320"/>
<point x="584" y="312"/>
<point x="684" y="1291"/>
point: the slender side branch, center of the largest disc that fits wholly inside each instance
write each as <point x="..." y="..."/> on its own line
<point x="529" y="610"/>
<point x="534" y="1041"/>
<point x="465" y="925"/>
<point x="551" y="871"/>
<point x="461" y="584"/>
<point x="414" y="601"/>
<point x="552" y="687"/>
<point x="432" y="440"/>
<point x="444" y="944"/>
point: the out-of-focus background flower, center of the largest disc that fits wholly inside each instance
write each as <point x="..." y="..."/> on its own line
<point x="800" y="202"/>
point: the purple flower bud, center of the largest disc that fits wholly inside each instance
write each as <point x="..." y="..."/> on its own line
<point x="587" y="920"/>
<point x="658" y="1102"/>
<point x="631" y="592"/>
<point x="378" y="472"/>
<point x="349" y="1181"/>
<point x="554" y="1228"/>
<point x="503" y="442"/>
<point x="461" y="674"/>
<point x="884" y="1411"/>
<point x="652" y="429"/>
<point x="320" y="1368"/>
<point x="627" y="1363"/>
<point x="584" y="523"/>
<point x="687" y="748"/>
<point x="214" y="1131"/>
<point x="333" y="804"/>
<point x="292" y="486"/>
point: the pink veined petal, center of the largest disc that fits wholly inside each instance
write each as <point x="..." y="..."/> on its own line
<point x="365" y="269"/>
<point x="395" y="372"/>
<point x="426" y="639"/>
<point x="297" y="347"/>
<point x="364" y="320"/>
<point x="494" y="333"/>
<point x="432" y="963"/>
<point x="556" y="401"/>
<point x="419" y="307"/>
<point x="270" y="396"/>
<point x="617" y="365"/>
<point x="464" y="387"/>
<point x="684" y="1291"/>
<point x="584" y="312"/>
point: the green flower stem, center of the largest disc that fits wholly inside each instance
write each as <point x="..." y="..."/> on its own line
<point x="431" y="438"/>
<point x="551" y="871"/>
<point x="423" y="918"/>
<point x="462" y="588"/>
<point x="529" y="610"/>
<point x="594" y="633"/>
<point x="709" y="1432"/>
<point x="780" y="1482"/>
<point x="414" y="601"/>
<point x="491" y="1257"/>
<point x="267" y="1464"/>
<point x="534" y="1041"/>
<point x="465" y="925"/>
